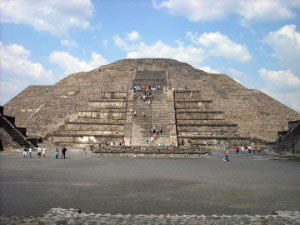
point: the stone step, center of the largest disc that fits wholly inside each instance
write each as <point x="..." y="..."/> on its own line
<point x="91" y="120"/>
<point x="208" y="127"/>
<point x="103" y="111"/>
<point x="200" y="112"/>
<point x="192" y="100"/>
<point x="199" y="122"/>
<point x="88" y="132"/>
<point x="191" y="109"/>
<point x="112" y="95"/>
<point x="147" y="133"/>
<point x="102" y="115"/>
<point x="200" y="105"/>
<point x="108" y="105"/>
<point x="87" y="139"/>
<point x="94" y="127"/>
<point x="108" y="100"/>
<point x="200" y="115"/>
<point x="214" y="141"/>
<point x="206" y="133"/>
<point x="214" y="137"/>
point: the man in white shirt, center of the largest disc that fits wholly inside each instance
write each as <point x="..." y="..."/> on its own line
<point x="39" y="151"/>
<point x="30" y="152"/>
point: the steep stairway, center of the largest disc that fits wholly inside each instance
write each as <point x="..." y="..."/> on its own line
<point x="149" y="116"/>
<point x="11" y="135"/>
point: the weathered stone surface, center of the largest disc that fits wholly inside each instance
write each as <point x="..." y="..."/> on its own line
<point x="75" y="216"/>
<point x="105" y="93"/>
<point x="12" y="136"/>
<point x="152" y="150"/>
<point x="288" y="141"/>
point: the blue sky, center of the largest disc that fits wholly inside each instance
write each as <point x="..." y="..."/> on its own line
<point x="255" y="42"/>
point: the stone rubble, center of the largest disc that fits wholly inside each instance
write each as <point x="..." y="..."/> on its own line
<point x="72" y="216"/>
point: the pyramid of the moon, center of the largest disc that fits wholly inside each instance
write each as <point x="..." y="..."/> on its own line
<point x="189" y="106"/>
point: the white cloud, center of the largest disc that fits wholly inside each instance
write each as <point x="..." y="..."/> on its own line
<point x="9" y="89"/>
<point x="159" y="49"/>
<point x="15" y="61"/>
<point x="105" y="43"/>
<point x="289" y="97"/>
<point x="208" y="69"/>
<point x="69" y="43"/>
<point x="285" y="43"/>
<point x="195" y="10"/>
<point x="282" y="85"/>
<point x="236" y="73"/>
<point x="280" y="78"/>
<point x="203" y="10"/>
<point x="71" y="64"/>
<point x="54" y="16"/>
<point x="237" y="80"/>
<point x="220" y="45"/>
<point x="216" y="45"/>
<point x="133" y="36"/>
<point x="120" y="42"/>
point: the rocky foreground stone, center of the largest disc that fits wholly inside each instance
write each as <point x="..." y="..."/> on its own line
<point x="75" y="216"/>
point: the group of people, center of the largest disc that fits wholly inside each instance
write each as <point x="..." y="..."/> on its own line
<point x="27" y="152"/>
<point x="246" y="148"/>
<point x="63" y="153"/>
<point x="154" y="132"/>
<point x="41" y="152"/>
<point x="147" y="88"/>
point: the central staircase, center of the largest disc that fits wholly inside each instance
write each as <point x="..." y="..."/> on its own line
<point x="149" y="116"/>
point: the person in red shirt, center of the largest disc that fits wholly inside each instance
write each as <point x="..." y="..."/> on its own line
<point x="237" y="149"/>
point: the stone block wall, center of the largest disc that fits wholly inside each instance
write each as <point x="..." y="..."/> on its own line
<point x="102" y="122"/>
<point x="198" y="124"/>
<point x="289" y="141"/>
<point x="151" y="150"/>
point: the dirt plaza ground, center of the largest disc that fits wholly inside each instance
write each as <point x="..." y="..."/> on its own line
<point x="246" y="185"/>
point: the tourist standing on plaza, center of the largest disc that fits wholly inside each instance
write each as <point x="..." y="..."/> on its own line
<point x="56" y="152"/>
<point x="44" y="152"/>
<point x="30" y="152"/>
<point x="226" y="153"/>
<point x="63" y="151"/>
<point x="24" y="152"/>
<point x="237" y="149"/>
<point x="249" y="149"/>
<point x="39" y="152"/>
<point x="254" y="150"/>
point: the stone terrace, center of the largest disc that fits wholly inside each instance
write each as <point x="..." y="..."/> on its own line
<point x="197" y="124"/>
<point x="102" y="122"/>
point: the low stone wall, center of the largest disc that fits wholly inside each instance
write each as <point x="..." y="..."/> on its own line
<point x="155" y="151"/>
<point x="75" y="216"/>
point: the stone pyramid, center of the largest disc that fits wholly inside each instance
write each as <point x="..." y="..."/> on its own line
<point x="190" y="106"/>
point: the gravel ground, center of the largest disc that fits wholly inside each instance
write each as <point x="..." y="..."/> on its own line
<point x="246" y="184"/>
